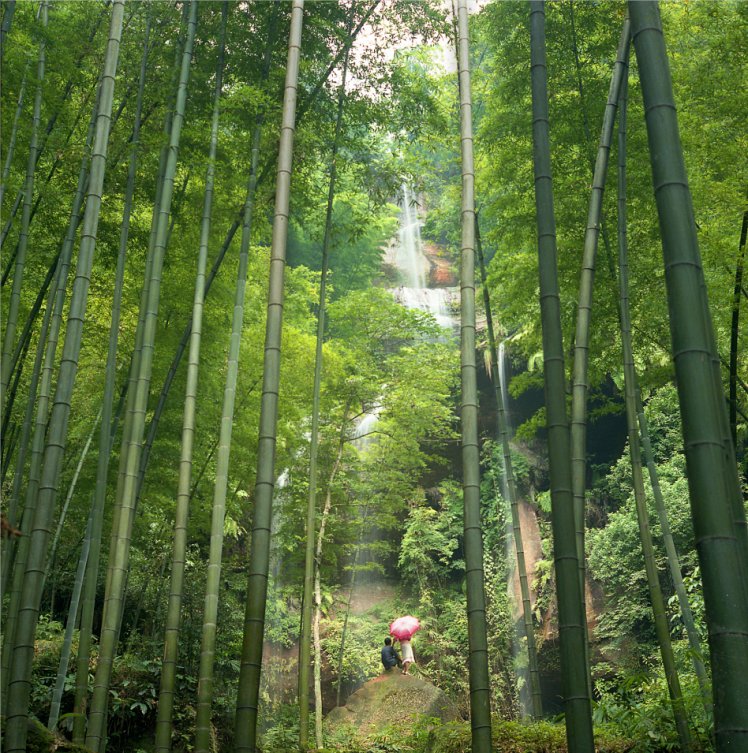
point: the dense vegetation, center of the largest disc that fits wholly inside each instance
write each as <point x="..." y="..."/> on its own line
<point x="109" y="444"/>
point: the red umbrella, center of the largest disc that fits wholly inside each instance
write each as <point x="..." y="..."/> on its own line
<point x="403" y="628"/>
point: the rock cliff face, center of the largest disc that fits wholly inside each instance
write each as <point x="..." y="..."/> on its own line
<point x="390" y="700"/>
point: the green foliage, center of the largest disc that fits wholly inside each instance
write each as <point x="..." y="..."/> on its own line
<point x="637" y="705"/>
<point x="516" y="737"/>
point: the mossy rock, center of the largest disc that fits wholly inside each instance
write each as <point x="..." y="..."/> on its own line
<point x="517" y="737"/>
<point x="41" y="740"/>
<point x="392" y="702"/>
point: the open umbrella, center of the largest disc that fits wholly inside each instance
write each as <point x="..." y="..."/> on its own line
<point x="403" y="628"/>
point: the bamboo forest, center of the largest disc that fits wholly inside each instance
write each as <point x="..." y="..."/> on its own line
<point x="374" y="376"/>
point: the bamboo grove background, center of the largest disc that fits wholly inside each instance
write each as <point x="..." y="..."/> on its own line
<point x="202" y="191"/>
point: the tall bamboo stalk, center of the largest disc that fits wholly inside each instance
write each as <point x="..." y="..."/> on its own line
<point x="173" y="616"/>
<point x="712" y="476"/>
<point x="20" y="680"/>
<point x="574" y="669"/>
<point x="735" y="330"/>
<point x="10" y="9"/>
<point x="67" y="643"/>
<point x="642" y="514"/>
<point x="673" y="562"/>
<point x="24" y="341"/>
<point x="48" y="345"/>
<point x="480" y="692"/>
<point x="309" y="568"/>
<point x="23" y="445"/>
<point x="106" y="435"/>
<point x="69" y="498"/>
<point x="643" y="430"/>
<point x="580" y="373"/>
<point x="254" y="619"/>
<point x="13" y="133"/>
<point x="119" y="558"/>
<point x="49" y="128"/>
<point x="511" y="490"/>
<point x="317" y="617"/>
<point x="11" y="319"/>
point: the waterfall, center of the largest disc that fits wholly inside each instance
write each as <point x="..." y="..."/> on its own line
<point x="414" y="267"/>
<point x="410" y="259"/>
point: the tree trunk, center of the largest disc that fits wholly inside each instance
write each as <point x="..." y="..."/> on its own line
<point x="254" y="619"/>
<point x="718" y="517"/>
<point x="574" y="669"/>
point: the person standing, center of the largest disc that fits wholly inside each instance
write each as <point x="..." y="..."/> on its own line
<point x="408" y="657"/>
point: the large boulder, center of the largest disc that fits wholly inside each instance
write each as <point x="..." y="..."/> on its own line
<point x="390" y="700"/>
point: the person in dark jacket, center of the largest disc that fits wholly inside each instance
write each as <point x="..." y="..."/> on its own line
<point x="390" y="658"/>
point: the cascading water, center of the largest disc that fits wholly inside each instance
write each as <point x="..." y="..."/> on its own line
<point x="414" y="268"/>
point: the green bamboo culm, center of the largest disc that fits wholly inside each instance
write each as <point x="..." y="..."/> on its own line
<point x="254" y="619"/>
<point x="309" y="569"/>
<point x="203" y="732"/>
<point x="580" y="372"/>
<point x="119" y="555"/>
<point x="673" y="561"/>
<point x="480" y="691"/>
<point x="13" y="134"/>
<point x="511" y="491"/>
<point x="630" y="375"/>
<point x="624" y="318"/>
<point x="105" y="433"/>
<point x="48" y="346"/>
<point x="67" y="644"/>
<point x="11" y="318"/>
<point x="571" y="617"/>
<point x="20" y="679"/>
<point x="656" y="599"/>
<point x="712" y="477"/>
<point x="179" y="550"/>
<point x="10" y="9"/>
<point x="9" y="547"/>
<point x="130" y="418"/>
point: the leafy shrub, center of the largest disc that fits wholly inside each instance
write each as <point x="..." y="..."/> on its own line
<point x="517" y="737"/>
<point x="638" y="706"/>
